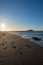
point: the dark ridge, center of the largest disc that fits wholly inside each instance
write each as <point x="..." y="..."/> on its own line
<point x="36" y="38"/>
<point x="30" y="30"/>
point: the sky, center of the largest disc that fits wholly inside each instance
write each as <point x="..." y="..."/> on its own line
<point x="21" y="14"/>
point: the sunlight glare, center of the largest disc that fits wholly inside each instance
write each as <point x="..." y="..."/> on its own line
<point x="2" y="27"/>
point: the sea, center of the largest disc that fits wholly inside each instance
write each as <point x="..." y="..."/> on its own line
<point x="30" y="34"/>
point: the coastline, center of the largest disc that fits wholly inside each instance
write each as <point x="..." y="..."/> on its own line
<point x="30" y="35"/>
<point x="15" y="50"/>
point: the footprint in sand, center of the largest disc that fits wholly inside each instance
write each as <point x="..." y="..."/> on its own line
<point x="20" y="48"/>
<point x="27" y="46"/>
<point x="0" y="61"/>
<point x="14" y="47"/>
<point x="5" y="48"/>
<point x="23" y="63"/>
<point x="0" y="44"/>
<point x="3" y="34"/>
<point x="20" y="52"/>
<point x="3" y="43"/>
<point x="12" y="43"/>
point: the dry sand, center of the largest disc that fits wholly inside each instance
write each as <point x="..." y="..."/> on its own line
<point x="15" y="50"/>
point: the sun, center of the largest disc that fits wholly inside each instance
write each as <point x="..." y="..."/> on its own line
<point x="2" y="25"/>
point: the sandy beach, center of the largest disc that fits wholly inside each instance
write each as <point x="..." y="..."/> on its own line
<point x="15" y="50"/>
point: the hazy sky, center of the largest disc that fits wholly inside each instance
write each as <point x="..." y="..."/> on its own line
<point x="21" y="14"/>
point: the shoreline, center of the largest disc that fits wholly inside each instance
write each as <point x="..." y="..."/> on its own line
<point x="37" y="35"/>
<point x="15" y="50"/>
<point x="28" y="40"/>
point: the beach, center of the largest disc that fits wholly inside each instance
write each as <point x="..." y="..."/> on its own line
<point x="15" y="50"/>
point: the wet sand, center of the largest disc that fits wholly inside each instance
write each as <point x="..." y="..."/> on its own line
<point x="15" y="50"/>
